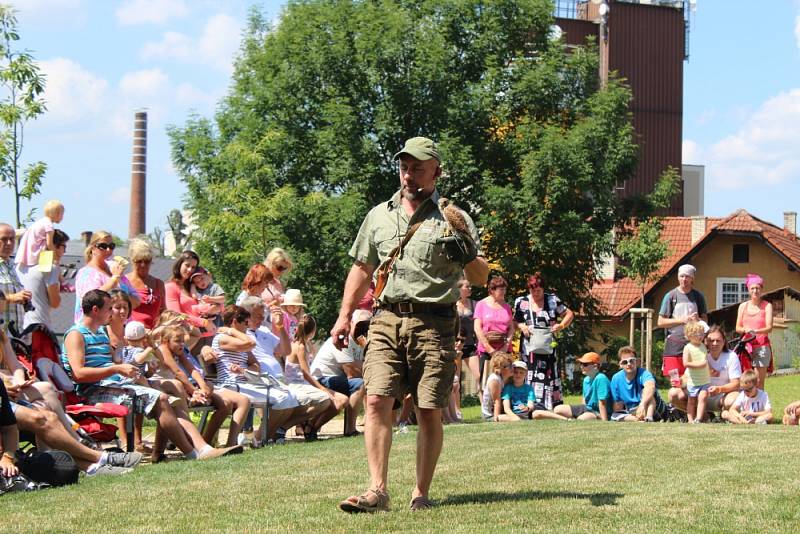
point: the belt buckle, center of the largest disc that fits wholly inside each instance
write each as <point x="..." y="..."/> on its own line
<point x="405" y="308"/>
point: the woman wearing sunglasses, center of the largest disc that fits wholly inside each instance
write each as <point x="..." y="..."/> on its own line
<point x="279" y="263"/>
<point x="149" y="288"/>
<point x="101" y="272"/>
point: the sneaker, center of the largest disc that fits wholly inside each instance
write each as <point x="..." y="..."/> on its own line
<point x="241" y="440"/>
<point x="124" y="459"/>
<point x="109" y="470"/>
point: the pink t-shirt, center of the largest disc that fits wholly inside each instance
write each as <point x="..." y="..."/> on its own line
<point x="33" y="242"/>
<point x="492" y="320"/>
<point x="180" y="302"/>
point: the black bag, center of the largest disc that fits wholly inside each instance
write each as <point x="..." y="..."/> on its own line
<point x="18" y="483"/>
<point x="55" y="468"/>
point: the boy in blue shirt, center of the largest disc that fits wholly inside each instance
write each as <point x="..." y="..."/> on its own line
<point x="634" y="390"/>
<point x="596" y="395"/>
<point x="518" y="396"/>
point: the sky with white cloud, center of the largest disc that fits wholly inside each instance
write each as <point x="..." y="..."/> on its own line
<point x="105" y="59"/>
<point x="742" y="105"/>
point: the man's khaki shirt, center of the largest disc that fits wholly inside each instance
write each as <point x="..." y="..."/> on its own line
<point x="422" y="273"/>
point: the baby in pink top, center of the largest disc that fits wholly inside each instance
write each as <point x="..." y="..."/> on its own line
<point x="39" y="237"/>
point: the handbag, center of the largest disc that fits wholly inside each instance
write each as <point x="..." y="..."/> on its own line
<point x="496" y="339"/>
<point x="540" y="341"/>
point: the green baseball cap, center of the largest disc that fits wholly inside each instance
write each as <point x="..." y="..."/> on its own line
<point x="420" y="148"/>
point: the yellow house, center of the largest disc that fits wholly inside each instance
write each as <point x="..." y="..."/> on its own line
<point x="723" y="250"/>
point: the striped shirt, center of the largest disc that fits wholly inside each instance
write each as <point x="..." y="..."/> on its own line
<point x="97" y="353"/>
<point x="10" y="283"/>
<point x="225" y="360"/>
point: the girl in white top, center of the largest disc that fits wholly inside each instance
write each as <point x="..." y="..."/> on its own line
<point x="492" y="406"/>
<point x="296" y="372"/>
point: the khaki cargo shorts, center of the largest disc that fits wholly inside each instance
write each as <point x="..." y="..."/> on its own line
<point x="411" y="354"/>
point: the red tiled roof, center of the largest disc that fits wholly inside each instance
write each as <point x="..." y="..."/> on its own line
<point x="617" y="297"/>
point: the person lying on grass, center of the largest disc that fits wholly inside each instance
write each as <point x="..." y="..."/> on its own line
<point x="517" y="396"/>
<point x="752" y="406"/>
<point x="596" y="395"/>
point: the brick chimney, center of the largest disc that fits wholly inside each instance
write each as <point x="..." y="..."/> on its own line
<point x="790" y="222"/>
<point x="136" y="224"/>
<point x="698" y="227"/>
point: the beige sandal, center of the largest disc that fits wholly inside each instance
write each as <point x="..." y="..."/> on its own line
<point x="372" y="500"/>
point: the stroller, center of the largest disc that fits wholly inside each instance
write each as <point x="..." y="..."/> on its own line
<point x="742" y="347"/>
<point x="40" y="358"/>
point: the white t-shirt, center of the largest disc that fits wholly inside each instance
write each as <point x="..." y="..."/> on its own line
<point x="759" y="403"/>
<point x="264" y="351"/>
<point x="329" y="359"/>
<point x="727" y="366"/>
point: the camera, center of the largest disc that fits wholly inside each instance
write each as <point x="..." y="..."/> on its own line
<point x="28" y="306"/>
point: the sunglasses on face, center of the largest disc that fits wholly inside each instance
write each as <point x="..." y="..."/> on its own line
<point x="628" y="361"/>
<point x="106" y="246"/>
<point x="282" y="268"/>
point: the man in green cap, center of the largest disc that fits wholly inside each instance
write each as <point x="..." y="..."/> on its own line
<point x="411" y="347"/>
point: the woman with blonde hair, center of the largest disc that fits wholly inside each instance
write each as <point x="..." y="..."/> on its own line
<point x="279" y="263"/>
<point x="101" y="272"/>
<point x="149" y="289"/>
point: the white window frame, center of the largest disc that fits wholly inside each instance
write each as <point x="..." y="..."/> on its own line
<point x="743" y="295"/>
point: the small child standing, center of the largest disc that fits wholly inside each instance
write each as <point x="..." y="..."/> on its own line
<point x="518" y="397"/>
<point x="210" y="295"/>
<point x="695" y="359"/>
<point x="39" y="237"/>
<point x="752" y="406"/>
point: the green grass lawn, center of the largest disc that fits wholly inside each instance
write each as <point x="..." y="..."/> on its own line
<point x="532" y="476"/>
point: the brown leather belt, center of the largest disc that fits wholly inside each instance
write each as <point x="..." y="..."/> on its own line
<point x="415" y="308"/>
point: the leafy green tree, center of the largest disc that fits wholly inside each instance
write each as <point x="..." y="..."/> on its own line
<point x="22" y="86"/>
<point x="302" y="144"/>
<point x="642" y="252"/>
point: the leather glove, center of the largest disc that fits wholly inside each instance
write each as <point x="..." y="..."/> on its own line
<point x="459" y="247"/>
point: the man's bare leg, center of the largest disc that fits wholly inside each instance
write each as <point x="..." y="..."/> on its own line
<point x="429" y="446"/>
<point x="378" y="438"/>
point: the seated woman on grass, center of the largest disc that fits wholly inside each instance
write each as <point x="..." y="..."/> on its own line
<point x="518" y="398"/>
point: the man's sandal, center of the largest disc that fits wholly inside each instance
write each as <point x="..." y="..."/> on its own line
<point x="372" y="500"/>
<point x="420" y="503"/>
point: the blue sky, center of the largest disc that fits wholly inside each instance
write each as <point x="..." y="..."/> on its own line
<point x="105" y="58"/>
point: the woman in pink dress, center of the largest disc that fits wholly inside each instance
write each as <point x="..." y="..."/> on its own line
<point x="755" y="317"/>
<point x="150" y="290"/>
<point x="178" y="297"/>
<point x="494" y="323"/>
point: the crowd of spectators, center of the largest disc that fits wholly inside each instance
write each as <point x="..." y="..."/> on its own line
<point x="164" y="348"/>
